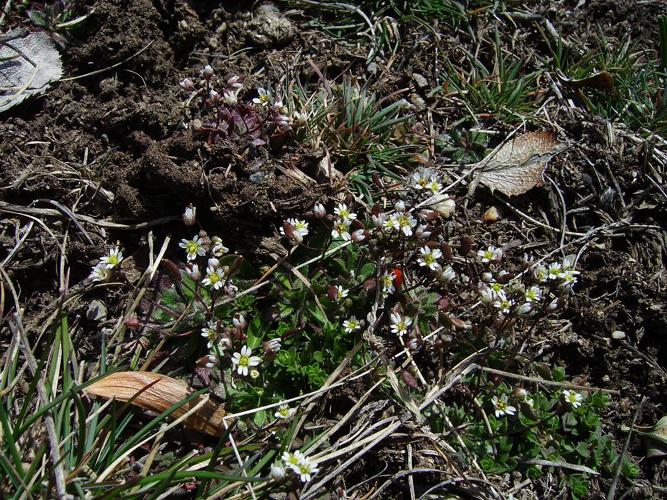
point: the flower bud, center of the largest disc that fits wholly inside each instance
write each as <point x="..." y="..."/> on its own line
<point x="487" y="277"/>
<point x="207" y="72"/>
<point x="466" y="246"/>
<point x="172" y="270"/>
<point x="239" y="321"/>
<point x="319" y="210"/>
<point x="447" y="252"/>
<point x="291" y="233"/>
<point x="213" y="262"/>
<point x="189" y="215"/>
<point x="187" y="84"/>
<point x="358" y="235"/>
<point x="193" y="272"/>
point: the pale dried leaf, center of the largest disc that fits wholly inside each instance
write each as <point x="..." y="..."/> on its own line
<point x="28" y="64"/>
<point x="161" y="393"/>
<point x="518" y="166"/>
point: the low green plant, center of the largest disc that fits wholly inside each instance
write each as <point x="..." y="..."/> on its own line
<point x="533" y="430"/>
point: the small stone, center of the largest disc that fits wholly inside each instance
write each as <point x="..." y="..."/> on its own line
<point x="491" y="215"/>
<point x="97" y="311"/>
<point x="421" y="82"/>
<point x="618" y="335"/>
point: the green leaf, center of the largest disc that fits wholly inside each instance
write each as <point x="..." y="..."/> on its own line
<point x="255" y="333"/>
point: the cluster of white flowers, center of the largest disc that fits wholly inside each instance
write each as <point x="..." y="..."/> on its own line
<point x="304" y="467"/>
<point x="199" y="246"/>
<point x="515" y="297"/>
<point x="425" y="179"/>
<point x="102" y="271"/>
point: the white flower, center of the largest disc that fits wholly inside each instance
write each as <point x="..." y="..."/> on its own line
<point x="502" y="406"/>
<point x="210" y="332"/>
<point x="344" y="213"/>
<point x="391" y="223"/>
<point x="399" y="324"/>
<point x="569" y="278"/>
<point x="263" y="98"/>
<point x="213" y="95"/>
<point x="446" y="274"/>
<point x="420" y="179"/>
<point x="187" y="84"/>
<point x="218" y="249"/>
<point x="114" y="258"/>
<point x="207" y="72"/>
<point x="192" y="247"/>
<point x="214" y="278"/>
<point x="307" y="468"/>
<point x="300" y="226"/>
<point x="429" y="257"/>
<point x="533" y="294"/>
<point x="574" y="398"/>
<point x="292" y="460"/>
<point x="244" y="360"/>
<point x="490" y="254"/>
<point x="405" y="222"/>
<point x="388" y="283"/>
<point x="351" y="325"/>
<point x="213" y="262"/>
<point x="379" y="220"/>
<point x="341" y="293"/>
<point x="100" y="273"/>
<point x="434" y="185"/>
<point x="341" y="229"/>
<point x="555" y="271"/>
<point x="503" y="303"/>
<point x="279" y="107"/>
<point x="299" y="119"/>
<point x="230" y="98"/>
<point x="284" y="412"/>
<point x="277" y="471"/>
<point x="541" y="274"/>
<point x="189" y="215"/>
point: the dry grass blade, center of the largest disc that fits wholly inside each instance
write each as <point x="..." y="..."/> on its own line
<point x="156" y="392"/>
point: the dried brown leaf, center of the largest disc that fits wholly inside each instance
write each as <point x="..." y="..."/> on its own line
<point x="519" y="164"/>
<point x="157" y="393"/>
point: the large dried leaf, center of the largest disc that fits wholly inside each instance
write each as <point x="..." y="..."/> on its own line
<point x="29" y="62"/>
<point x="518" y="166"/>
<point x="157" y="393"/>
<point x="656" y="439"/>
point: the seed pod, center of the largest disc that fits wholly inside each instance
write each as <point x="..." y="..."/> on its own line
<point x="236" y="265"/>
<point x="466" y="246"/>
<point x="409" y="379"/>
<point x="447" y="252"/>
<point x="172" y="270"/>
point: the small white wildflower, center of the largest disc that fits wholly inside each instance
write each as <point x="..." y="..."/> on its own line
<point x="555" y="271"/>
<point x="263" y="97"/>
<point x="434" y="185"/>
<point x="214" y="278"/>
<point x="541" y="274"/>
<point x="214" y="95"/>
<point x="379" y="220"/>
<point x="351" y="325"/>
<point x="292" y="459"/>
<point x="187" y="84"/>
<point x="307" y="469"/>
<point x="300" y="226"/>
<point x="239" y="321"/>
<point x="533" y="294"/>
<point x="391" y="223"/>
<point x="503" y="303"/>
<point x="573" y="398"/>
<point x="244" y="360"/>
<point x="193" y="247"/>
<point x="399" y="324"/>
<point x="299" y="119"/>
<point x="399" y="206"/>
<point x="230" y="98"/>
<point x="553" y="305"/>
<point x="405" y="223"/>
<point x="569" y="278"/>
<point x="340" y="293"/>
<point x="218" y="249"/>
<point x="284" y="412"/>
<point x="429" y="257"/>
<point x="210" y="332"/>
<point x="490" y="254"/>
<point x="341" y="229"/>
<point x="420" y="179"/>
<point x="344" y="213"/>
<point x="502" y="407"/>
<point x="388" y="283"/>
<point x="112" y="260"/>
<point x="207" y="72"/>
<point x="100" y="273"/>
